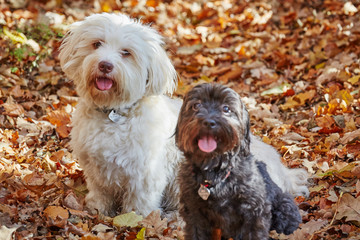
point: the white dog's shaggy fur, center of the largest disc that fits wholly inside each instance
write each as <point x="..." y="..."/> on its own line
<point x="127" y="161"/>
<point x="124" y="124"/>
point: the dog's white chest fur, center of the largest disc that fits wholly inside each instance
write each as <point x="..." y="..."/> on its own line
<point x="117" y="155"/>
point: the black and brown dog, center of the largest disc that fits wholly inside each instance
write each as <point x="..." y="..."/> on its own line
<point x="222" y="186"/>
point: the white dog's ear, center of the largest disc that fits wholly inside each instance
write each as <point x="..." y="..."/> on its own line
<point x="162" y="77"/>
<point x="68" y="51"/>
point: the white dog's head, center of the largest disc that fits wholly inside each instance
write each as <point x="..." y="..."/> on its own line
<point x="115" y="60"/>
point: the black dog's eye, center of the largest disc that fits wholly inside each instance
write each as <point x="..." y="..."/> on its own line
<point x="125" y="53"/>
<point x="97" y="44"/>
<point x="226" y="109"/>
<point x="196" y="106"/>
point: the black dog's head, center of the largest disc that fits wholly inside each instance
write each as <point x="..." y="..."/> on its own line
<point x="213" y="121"/>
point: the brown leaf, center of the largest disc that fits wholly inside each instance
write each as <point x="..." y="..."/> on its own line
<point x="307" y="229"/>
<point x="153" y="223"/>
<point x="71" y="201"/>
<point x="350" y="136"/>
<point x="358" y="188"/>
<point x="12" y="109"/>
<point x="34" y="180"/>
<point x="349" y="208"/>
<point x="56" y="216"/>
<point x="17" y="92"/>
<point x="233" y="74"/>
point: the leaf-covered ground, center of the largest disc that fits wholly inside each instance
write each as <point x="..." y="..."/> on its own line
<point x="295" y="63"/>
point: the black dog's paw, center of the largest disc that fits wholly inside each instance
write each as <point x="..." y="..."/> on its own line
<point x="286" y="217"/>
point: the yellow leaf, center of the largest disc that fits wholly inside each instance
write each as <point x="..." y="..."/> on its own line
<point x="320" y="65"/>
<point x="16" y="37"/>
<point x="130" y="219"/>
<point x="346" y="96"/>
<point x="298" y="100"/>
<point x="106" y="7"/>
<point x="141" y="234"/>
<point x="354" y="79"/>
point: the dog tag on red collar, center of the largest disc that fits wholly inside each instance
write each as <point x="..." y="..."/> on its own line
<point x="204" y="192"/>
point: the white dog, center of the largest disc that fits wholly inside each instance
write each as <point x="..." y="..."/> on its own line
<point x="124" y="124"/>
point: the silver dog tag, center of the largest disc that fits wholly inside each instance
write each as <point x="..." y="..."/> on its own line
<point x="204" y="192"/>
<point x="114" y="116"/>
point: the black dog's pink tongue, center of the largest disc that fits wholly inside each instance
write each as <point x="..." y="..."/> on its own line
<point x="103" y="83"/>
<point x="207" y="144"/>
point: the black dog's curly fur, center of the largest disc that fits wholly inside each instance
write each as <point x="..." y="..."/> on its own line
<point x="244" y="202"/>
<point x="285" y="214"/>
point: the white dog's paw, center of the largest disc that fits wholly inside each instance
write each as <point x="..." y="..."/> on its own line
<point x="299" y="181"/>
<point x="97" y="204"/>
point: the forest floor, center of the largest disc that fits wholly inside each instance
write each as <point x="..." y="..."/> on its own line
<point x="295" y="63"/>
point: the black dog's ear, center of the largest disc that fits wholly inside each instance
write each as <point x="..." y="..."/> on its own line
<point x="245" y="139"/>
<point x="247" y="122"/>
<point x="176" y="133"/>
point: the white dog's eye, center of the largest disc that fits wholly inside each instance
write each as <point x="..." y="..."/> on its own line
<point x="97" y="44"/>
<point x="125" y="53"/>
<point x="226" y="109"/>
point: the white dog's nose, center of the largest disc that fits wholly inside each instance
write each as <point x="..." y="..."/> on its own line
<point x="105" y="67"/>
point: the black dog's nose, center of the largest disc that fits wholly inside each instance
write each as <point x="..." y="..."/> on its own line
<point x="105" y="67"/>
<point x="209" y="123"/>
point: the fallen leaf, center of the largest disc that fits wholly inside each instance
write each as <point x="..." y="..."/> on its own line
<point x="101" y="228"/>
<point x="307" y="229"/>
<point x="350" y="136"/>
<point x="298" y="100"/>
<point x="349" y="208"/>
<point x="153" y="223"/>
<point x="349" y="8"/>
<point x="130" y="219"/>
<point x="56" y="216"/>
<point x="292" y="137"/>
<point x="277" y="90"/>
<point x="13" y="109"/>
<point x="141" y="234"/>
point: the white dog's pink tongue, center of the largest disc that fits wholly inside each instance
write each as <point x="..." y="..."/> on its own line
<point x="207" y="144"/>
<point x="104" y="83"/>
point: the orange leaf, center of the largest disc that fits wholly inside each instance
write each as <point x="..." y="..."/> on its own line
<point x="58" y="118"/>
<point x="152" y="3"/>
<point x="56" y="216"/>
<point x="63" y="131"/>
<point x="298" y="100"/>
